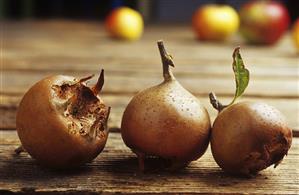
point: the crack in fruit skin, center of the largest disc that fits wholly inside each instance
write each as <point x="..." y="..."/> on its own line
<point x="50" y="130"/>
<point x="248" y="137"/>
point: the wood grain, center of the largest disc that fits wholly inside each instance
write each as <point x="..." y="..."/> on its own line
<point x="54" y="47"/>
<point x="15" y="82"/>
<point x="9" y="104"/>
<point x="115" y="171"/>
<point x="31" y="50"/>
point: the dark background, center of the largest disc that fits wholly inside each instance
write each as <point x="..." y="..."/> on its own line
<point x="152" y="10"/>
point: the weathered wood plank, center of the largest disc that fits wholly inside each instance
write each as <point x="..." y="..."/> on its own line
<point x="146" y="57"/>
<point x="289" y="107"/>
<point x="115" y="171"/>
<point x="18" y="82"/>
<point x="39" y="46"/>
<point x="54" y="45"/>
<point x="204" y="67"/>
<point x="52" y="34"/>
<point x="34" y="49"/>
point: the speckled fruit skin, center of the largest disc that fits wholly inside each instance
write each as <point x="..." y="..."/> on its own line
<point x="44" y="132"/>
<point x="248" y="137"/>
<point x="166" y="121"/>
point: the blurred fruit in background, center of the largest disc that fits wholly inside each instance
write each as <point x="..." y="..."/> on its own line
<point x="295" y="32"/>
<point x="263" y="22"/>
<point x="215" y="22"/>
<point x="124" y="23"/>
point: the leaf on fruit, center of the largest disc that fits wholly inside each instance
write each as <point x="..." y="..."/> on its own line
<point x="241" y="74"/>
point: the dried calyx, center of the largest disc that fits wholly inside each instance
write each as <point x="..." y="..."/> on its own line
<point x="62" y="122"/>
<point x="81" y="107"/>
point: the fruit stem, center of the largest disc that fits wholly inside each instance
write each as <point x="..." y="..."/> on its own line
<point x="166" y="61"/>
<point x="141" y="158"/>
<point x="241" y="79"/>
<point x="99" y="85"/>
<point x="215" y="103"/>
<point x="19" y="150"/>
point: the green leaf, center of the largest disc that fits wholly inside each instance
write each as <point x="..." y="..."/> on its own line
<point x="241" y="74"/>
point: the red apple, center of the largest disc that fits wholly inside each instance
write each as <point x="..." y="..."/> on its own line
<point x="263" y="22"/>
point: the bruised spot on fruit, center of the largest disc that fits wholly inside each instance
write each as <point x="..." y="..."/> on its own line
<point x="270" y="154"/>
<point x="82" y="108"/>
<point x="253" y="163"/>
<point x="279" y="149"/>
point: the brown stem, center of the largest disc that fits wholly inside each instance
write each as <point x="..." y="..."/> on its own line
<point x="215" y="103"/>
<point x="166" y="61"/>
<point x="19" y="150"/>
<point x="99" y="85"/>
<point x="141" y="158"/>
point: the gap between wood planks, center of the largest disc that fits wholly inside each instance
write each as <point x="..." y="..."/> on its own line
<point x="289" y="107"/>
<point x="129" y="72"/>
<point x="17" y="82"/>
<point x="115" y="170"/>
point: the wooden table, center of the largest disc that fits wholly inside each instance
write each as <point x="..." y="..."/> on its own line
<point x="30" y="50"/>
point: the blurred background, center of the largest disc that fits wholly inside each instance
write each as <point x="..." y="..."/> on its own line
<point x="78" y="37"/>
<point x="39" y="38"/>
<point x="175" y="11"/>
